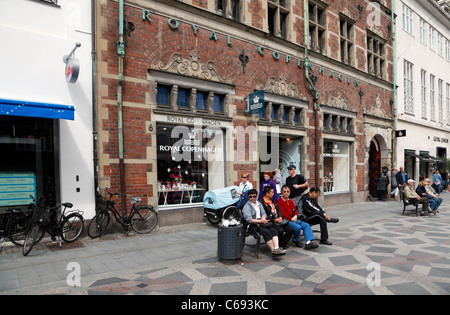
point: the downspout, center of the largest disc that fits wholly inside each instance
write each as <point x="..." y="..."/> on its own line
<point x="121" y="53"/>
<point x="394" y="140"/>
<point x="94" y="100"/>
<point x="316" y="95"/>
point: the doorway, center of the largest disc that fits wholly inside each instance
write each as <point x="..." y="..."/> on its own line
<point x="374" y="166"/>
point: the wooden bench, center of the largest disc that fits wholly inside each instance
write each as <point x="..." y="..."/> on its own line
<point x="409" y="203"/>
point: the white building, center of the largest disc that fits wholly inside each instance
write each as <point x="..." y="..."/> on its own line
<point x="423" y="80"/>
<point x="46" y="122"/>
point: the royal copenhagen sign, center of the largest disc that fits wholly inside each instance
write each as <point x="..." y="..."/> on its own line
<point x="174" y="24"/>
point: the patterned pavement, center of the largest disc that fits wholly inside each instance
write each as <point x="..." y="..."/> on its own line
<point x="390" y="255"/>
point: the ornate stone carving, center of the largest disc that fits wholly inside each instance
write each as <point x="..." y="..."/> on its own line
<point x="280" y="87"/>
<point x="377" y="109"/>
<point x="339" y="101"/>
<point x="192" y="67"/>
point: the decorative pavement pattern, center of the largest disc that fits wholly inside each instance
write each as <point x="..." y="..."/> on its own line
<point x="412" y="253"/>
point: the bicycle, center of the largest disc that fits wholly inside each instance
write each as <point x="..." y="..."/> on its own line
<point x="14" y="226"/>
<point x="142" y="219"/>
<point x="68" y="228"/>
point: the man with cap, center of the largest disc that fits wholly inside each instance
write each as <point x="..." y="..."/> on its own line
<point x="411" y="194"/>
<point x="297" y="184"/>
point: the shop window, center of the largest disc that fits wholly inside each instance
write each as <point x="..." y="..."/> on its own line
<point x="336" y="163"/>
<point x="27" y="160"/>
<point x="190" y="162"/>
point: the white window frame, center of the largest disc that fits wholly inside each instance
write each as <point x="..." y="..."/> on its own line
<point x="423" y="83"/>
<point x="423" y="32"/>
<point x="407" y="19"/>
<point x="408" y="86"/>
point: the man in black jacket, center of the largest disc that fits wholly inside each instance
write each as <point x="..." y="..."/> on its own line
<point x="314" y="213"/>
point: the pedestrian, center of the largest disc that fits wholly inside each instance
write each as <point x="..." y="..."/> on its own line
<point x="268" y="181"/>
<point x="245" y="185"/>
<point x="437" y="179"/>
<point x="278" y="181"/>
<point x="400" y="176"/>
<point x="297" y="184"/>
<point x="394" y="184"/>
<point x="383" y="184"/>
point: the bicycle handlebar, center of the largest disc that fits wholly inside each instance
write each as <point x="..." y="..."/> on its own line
<point x="113" y="194"/>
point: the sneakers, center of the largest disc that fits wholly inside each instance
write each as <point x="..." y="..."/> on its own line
<point x="311" y="245"/>
<point x="278" y="252"/>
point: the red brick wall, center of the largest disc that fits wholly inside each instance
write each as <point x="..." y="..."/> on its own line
<point x="155" y="41"/>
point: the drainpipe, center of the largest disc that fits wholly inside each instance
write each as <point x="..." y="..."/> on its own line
<point x="394" y="140"/>
<point x="94" y="99"/>
<point x="316" y="94"/>
<point x="121" y="53"/>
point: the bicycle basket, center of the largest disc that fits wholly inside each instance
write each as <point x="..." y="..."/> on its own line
<point x="103" y="203"/>
<point x="38" y="212"/>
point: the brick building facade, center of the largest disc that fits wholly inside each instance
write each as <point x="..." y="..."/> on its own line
<point x="188" y="68"/>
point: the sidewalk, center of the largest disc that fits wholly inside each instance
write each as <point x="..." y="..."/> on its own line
<point x="412" y="255"/>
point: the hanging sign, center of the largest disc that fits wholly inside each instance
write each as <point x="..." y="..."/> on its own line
<point x="255" y="103"/>
<point x="72" y="69"/>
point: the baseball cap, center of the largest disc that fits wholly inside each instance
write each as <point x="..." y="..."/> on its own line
<point x="411" y="181"/>
<point x="292" y="166"/>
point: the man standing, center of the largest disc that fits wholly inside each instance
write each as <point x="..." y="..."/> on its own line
<point x="297" y="184"/>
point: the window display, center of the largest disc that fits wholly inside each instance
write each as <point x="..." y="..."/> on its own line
<point x="188" y="158"/>
<point x="336" y="163"/>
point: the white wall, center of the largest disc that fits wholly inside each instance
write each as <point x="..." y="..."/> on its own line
<point x="35" y="38"/>
<point x="421" y="132"/>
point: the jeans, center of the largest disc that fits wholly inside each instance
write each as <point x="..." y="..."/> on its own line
<point x="299" y="226"/>
<point x="435" y="203"/>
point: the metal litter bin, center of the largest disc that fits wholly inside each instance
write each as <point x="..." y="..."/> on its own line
<point x="230" y="244"/>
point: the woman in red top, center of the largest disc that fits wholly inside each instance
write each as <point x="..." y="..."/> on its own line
<point x="289" y="212"/>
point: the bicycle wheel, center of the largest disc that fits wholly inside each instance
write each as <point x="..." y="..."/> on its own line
<point x="144" y="220"/>
<point x="34" y="235"/>
<point x="16" y="233"/>
<point x="98" y="224"/>
<point x="71" y="227"/>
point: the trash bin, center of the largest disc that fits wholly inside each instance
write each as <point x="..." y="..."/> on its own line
<point x="230" y="243"/>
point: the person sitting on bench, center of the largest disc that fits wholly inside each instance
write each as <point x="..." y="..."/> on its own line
<point x="254" y="214"/>
<point x="314" y="214"/>
<point x="289" y="212"/>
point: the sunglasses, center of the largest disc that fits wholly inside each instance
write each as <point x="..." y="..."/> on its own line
<point x="252" y="196"/>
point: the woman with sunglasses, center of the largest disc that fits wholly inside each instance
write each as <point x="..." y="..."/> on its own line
<point x="254" y="214"/>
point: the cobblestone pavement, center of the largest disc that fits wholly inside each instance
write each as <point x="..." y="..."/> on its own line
<point x="375" y="251"/>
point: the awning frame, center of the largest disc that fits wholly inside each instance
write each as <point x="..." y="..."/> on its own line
<point x="35" y="109"/>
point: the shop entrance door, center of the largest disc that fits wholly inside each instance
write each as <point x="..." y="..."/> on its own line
<point x="374" y="166"/>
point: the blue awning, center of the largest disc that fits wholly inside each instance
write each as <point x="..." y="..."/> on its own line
<point x="34" y="109"/>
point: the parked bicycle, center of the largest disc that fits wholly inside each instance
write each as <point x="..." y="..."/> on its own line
<point x="142" y="219"/>
<point x="14" y="226"/>
<point x="68" y="228"/>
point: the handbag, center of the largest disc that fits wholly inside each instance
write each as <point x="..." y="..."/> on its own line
<point x="267" y="225"/>
<point x="283" y="223"/>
